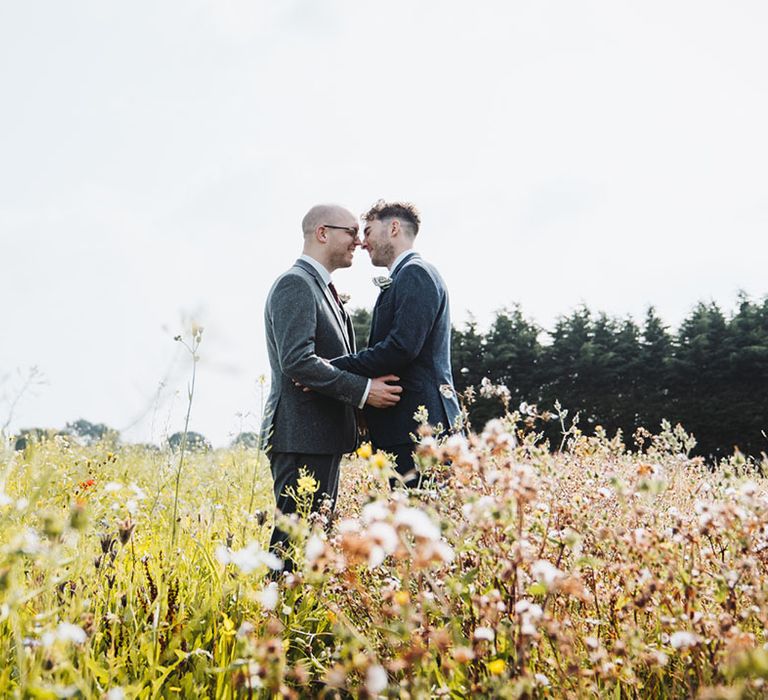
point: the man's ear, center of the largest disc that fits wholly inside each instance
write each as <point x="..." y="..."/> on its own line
<point x="320" y="234"/>
<point x="394" y="229"/>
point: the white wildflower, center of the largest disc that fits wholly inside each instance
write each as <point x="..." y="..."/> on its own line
<point x="418" y="522"/>
<point x="456" y="443"/>
<point x="67" y="632"/>
<point x="496" y="436"/>
<point x="255" y="672"/>
<point x="245" y="629"/>
<point x="541" y="680"/>
<point x="376" y="680"/>
<point x="348" y="525"/>
<point x="640" y="537"/>
<point x="522" y="606"/>
<point x="683" y="640"/>
<point x="115" y="694"/>
<point x="530" y="614"/>
<point x="138" y="492"/>
<point x="376" y="556"/>
<point x="267" y="596"/>
<point x="749" y="489"/>
<point x="377" y="510"/>
<point x="492" y="476"/>
<point x="29" y="542"/>
<point x="249" y="558"/>
<point x="315" y="548"/>
<point x="484" y="634"/>
<point x="112" y="486"/>
<point x="547" y="573"/>
<point x="384" y="535"/>
<point x="444" y="551"/>
<point x="487" y="390"/>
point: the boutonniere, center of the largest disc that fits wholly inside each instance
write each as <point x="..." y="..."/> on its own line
<point x="447" y="390"/>
<point x="344" y="297"/>
<point x="382" y="282"/>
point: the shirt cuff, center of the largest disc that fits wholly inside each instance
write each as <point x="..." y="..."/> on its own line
<point x="365" y="394"/>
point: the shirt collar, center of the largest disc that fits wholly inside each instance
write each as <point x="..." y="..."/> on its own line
<point x="324" y="274"/>
<point x="400" y="259"/>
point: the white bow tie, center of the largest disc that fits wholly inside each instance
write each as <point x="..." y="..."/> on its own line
<point x="382" y="282"/>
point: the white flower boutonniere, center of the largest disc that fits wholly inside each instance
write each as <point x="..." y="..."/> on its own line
<point x="382" y="282"/>
<point x="344" y="297"/>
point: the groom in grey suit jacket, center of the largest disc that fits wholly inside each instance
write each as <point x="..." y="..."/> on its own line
<point x="306" y="325"/>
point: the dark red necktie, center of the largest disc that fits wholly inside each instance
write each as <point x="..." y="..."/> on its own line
<point x="336" y="297"/>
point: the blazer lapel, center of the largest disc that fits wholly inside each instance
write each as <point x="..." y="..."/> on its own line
<point x="384" y="291"/>
<point x="334" y="307"/>
<point x="351" y="334"/>
<point x="374" y="314"/>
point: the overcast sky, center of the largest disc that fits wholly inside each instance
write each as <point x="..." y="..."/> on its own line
<point x="156" y="159"/>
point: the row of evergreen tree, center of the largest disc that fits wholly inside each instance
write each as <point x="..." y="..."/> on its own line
<point x="711" y="375"/>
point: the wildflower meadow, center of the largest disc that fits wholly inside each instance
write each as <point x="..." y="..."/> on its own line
<point x="599" y="569"/>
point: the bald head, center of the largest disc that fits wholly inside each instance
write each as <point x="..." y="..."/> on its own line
<point x="330" y="235"/>
<point x="326" y="215"/>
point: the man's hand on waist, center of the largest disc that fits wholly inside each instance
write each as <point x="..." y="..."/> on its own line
<point x="384" y="392"/>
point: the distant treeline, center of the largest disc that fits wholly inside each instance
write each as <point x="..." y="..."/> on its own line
<point x="711" y="375"/>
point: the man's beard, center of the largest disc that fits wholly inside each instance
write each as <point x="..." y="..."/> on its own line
<point x="384" y="256"/>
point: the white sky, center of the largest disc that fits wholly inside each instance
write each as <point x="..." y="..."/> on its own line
<point x="156" y="159"/>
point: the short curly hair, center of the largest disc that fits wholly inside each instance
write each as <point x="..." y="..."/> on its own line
<point x="406" y="212"/>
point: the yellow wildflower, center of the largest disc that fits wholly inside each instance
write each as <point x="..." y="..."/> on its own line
<point x="496" y="667"/>
<point x="365" y="450"/>
<point x="402" y="598"/>
<point x="379" y="461"/>
<point x="307" y="484"/>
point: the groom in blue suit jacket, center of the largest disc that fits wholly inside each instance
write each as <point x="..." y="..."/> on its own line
<point x="410" y="335"/>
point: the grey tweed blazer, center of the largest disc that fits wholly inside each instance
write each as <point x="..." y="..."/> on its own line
<point x="305" y="327"/>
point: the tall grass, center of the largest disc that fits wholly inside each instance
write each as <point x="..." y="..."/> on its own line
<point x="513" y="572"/>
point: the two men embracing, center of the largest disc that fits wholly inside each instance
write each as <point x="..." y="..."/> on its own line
<point x="319" y="380"/>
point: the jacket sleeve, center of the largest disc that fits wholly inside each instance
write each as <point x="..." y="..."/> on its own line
<point x="293" y="316"/>
<point x="417" y="305"/>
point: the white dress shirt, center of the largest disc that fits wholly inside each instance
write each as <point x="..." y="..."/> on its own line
<point x="400" y="259"/>
<point x="326" y="277"/>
